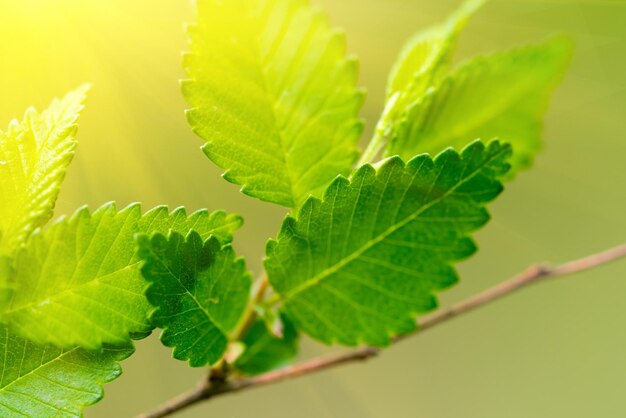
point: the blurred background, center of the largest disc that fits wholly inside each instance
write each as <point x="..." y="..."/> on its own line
<point x="556" y="350"/>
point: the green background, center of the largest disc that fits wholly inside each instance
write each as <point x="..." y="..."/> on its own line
<point x="556" y="350"/>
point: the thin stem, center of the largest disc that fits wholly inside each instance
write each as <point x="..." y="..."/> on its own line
<point x="381" y="132"/>
<point x="219" y="370"/>
<point x="376" y="145"/>
<point x="533" y="274"/>
<point x="250" y="314"/>
<point x="182" y="401"/>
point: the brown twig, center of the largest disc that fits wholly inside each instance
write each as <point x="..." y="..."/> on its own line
<point x="534" y="274"/>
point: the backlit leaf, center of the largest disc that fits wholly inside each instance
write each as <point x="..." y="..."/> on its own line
<point x="503" y="95"/>
<point x="427" y="57"/>
<point x="34" y="155"/>
<point x="48" y="382"/>
<point x="273" y="95"/>
<point x="79" y="282"/>
<point x="359" y="265"/>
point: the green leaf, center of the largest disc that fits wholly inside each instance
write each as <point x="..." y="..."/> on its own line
<point x="200" y="290"/>
<point x="427" y="56"/>
<point x="34" y="155"/>
<point x="423" y="62"/>
<point x="503" y="95"/>
<point x="44" y="381"/>
<point x="264" y="351"/>
<point x="6" y="273"/>
<point x="273" y="95"/>
<point x="218" y="224"/>
<point x="79" y="282"/>
<point x="357" y="266"/>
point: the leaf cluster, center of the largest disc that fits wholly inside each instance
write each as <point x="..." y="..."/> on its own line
<point x="370" y="239"/>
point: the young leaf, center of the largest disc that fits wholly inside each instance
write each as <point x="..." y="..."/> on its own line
<point x="44" y="381"/>
<point x="200" y="291"/>
<point x="34" y="155"/>
<point x="264" y="351"/>
<point x="423" y="62"/>
<point x="79" y="282"/>
<point x="427" y="56"/>
<point x="273" y="95"/>
<point x="357" y="266"/>
<point x="502" y="95"/>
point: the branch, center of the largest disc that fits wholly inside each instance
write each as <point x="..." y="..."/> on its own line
<point x="534" y="274"/>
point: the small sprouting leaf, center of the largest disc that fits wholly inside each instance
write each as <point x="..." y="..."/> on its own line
<point x="423" y="62"/>
<point x="200" y="291"/>
<point x="45" y="382"/>
<point x="503" y="95"/>
<point x="34" y="155"/>
<point x="79" y="282"/>
<point x="264" y="351"/>
<point x="357" y="266"/>
<point x="427" y="56"/>
<point x="273" y="95"/>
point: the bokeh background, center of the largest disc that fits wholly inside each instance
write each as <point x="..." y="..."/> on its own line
<point x="556" y="350"/>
